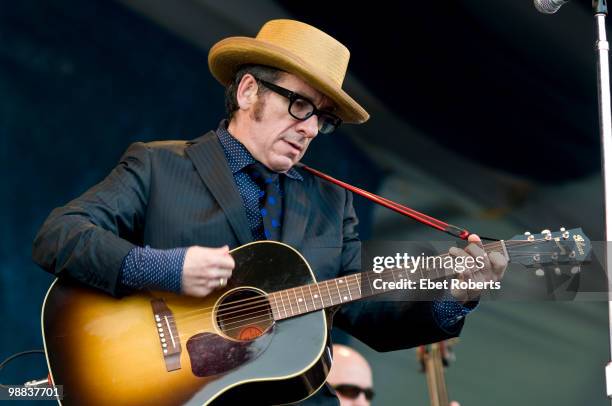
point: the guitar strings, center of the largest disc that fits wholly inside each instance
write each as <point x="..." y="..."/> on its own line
<point x="254" y="300"/>
<point x="263" y="315"/>
<point x="314" y="306"/>
<point x="288" y="302"/>
<point x="248" y="299"/>
<point x="488" y="246"/>
<point x="260" y="316"/>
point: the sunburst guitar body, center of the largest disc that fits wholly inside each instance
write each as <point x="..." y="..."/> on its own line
<point x="158" y="348"/>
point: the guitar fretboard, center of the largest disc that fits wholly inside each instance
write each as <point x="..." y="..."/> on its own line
<point x="316" y="296"/>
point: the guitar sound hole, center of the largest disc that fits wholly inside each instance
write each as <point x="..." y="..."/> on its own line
<point x="244" y="314"/>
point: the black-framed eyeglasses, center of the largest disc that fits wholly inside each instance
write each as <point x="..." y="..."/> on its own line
<point x="301" y="108"/>
<point x="353" y="391"/>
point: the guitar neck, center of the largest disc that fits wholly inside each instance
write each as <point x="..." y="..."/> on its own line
<point x="436" y="384"/>
<point x="321" y="295"/>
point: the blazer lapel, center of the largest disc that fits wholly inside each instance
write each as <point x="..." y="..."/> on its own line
<point x="296" y="212"/>
<point x="209" y="159"/>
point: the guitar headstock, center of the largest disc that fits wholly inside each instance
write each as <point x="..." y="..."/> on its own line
<point x="442" y="350"/>
<point x="563" y="247"/>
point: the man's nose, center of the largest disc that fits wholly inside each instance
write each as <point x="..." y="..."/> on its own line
<point x="359" y="401"/>
<point x="310" y="126"/>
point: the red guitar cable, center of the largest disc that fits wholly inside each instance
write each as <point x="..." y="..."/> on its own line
<point x="406" y="211"/>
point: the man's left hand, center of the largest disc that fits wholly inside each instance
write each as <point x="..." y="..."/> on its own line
<point x="494" y="266"/>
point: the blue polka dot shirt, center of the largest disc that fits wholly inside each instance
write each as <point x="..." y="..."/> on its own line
<point x="238" y="158"/>
<point x="158" y="269"/>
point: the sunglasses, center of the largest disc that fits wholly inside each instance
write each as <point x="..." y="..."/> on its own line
<point x="353" y="391"/>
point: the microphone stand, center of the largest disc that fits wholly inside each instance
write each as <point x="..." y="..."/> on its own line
<point x="605" y="129"/>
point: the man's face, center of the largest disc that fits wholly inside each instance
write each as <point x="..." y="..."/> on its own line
<point x="270" y="133"/>
<point x="350" y="369"/>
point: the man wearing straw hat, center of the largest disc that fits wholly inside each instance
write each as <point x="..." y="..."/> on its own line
<point x="155" y="221"/>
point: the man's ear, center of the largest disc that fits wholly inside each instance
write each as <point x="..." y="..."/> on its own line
<point x="246" y="94"/>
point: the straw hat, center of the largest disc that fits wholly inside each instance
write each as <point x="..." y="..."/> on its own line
<point x="297" y="48"/>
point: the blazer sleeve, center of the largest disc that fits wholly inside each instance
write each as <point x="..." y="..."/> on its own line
<point x="384" y="325"/>
<point x="88" y="238"/>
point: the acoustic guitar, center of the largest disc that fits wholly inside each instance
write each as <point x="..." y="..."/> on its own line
<point x="261" y="340"/>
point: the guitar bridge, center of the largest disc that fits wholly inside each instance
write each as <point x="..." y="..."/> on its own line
<point x="169" y="339"/>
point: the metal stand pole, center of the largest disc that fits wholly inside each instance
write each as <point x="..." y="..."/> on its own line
<point x="605" y="129"/>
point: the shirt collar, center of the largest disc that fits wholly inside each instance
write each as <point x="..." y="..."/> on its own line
<point x="238" y="157"/>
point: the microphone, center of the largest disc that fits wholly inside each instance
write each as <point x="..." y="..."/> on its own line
<point x="548" y="6"/>
<point x="45" y="382"/>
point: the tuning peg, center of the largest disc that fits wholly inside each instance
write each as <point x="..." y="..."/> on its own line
<point x="565" y="235"/>
<point x="536" y="257"/>
<point x="529" y="236"/>
<point x="562" y="229"/>
<point x="539" y="272"/>
<point x="575" y="270"/>
<point x="546" y="233"/>
<point x="557" y="271"/>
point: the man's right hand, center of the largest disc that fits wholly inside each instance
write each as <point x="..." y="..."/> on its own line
<point x="206" y="269"/>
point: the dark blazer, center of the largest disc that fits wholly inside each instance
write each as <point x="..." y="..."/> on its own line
<point x="178" y="194"/>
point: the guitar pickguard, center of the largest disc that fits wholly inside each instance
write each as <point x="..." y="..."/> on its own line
<point x="211" y="354"/>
